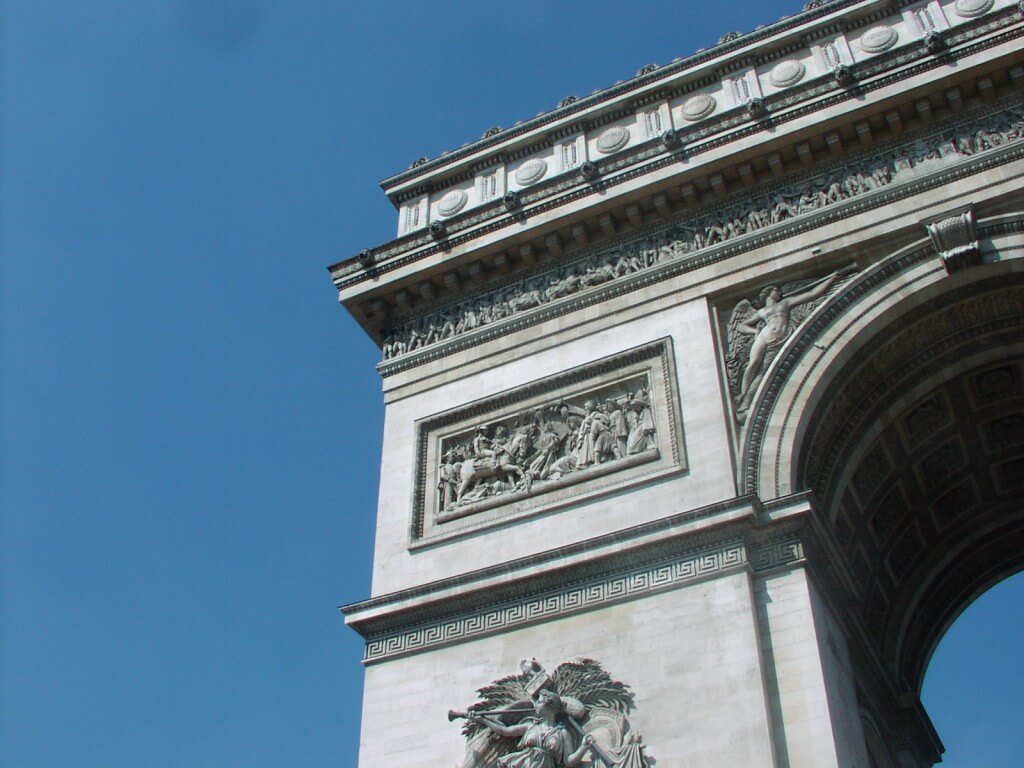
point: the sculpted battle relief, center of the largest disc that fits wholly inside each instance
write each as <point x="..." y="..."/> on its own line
<point x="575" y="715"/>
<point x="546" y="443"/>
<point x="550" y="439"/>
<point x="771" y="207"/>
<point x="756" y="333"/>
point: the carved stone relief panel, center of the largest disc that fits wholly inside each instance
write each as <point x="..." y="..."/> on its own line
<point x="764" y="208"/>
<point x="548" y="442"/>
<point x="571" y="153"/>
<point x="759" y="327"/>
<point x="451" y="202"/>
<point x="657" y="120"/>
<point x="576" y="715"/>
<point x="612" y="139"/>
<point x="970" y="9"/>
<point x="698" y="106"/>
<point x="413" y="216"/>
<point x="879" y="39"/>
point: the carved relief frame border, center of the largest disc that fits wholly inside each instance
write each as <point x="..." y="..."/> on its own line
<point x="655" y="359"/>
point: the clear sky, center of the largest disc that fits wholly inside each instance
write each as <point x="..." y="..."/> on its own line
<point x="189" y="423"/>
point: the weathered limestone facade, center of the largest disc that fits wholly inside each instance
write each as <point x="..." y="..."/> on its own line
<point x="713" y="377"/>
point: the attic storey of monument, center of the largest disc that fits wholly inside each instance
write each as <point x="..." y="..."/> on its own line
<point x="689" y="377"/>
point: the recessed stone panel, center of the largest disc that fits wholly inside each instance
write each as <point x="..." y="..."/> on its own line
<point x="997" y="384"/>
<point x="925" y="419"/>
<point x="1004" y="432"/>
<point x="936" y="469"/>
<point x="548" y="443"/>
<point x="953" y="504"/>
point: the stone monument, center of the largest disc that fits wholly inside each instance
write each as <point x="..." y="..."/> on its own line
<point x="705" y="393"/>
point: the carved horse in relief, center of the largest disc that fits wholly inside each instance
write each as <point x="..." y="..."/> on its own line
<point x="492" y="458"/>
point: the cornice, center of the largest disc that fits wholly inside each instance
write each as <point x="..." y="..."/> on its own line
<point x="408" y="622"/>
<point x="952" y="170"/>
<point x="741" y="507"/>
<point x="738" y="45"/>
<point x="652" y="155"/>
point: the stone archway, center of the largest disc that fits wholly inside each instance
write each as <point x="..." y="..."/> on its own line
<point x="899" y="407"/>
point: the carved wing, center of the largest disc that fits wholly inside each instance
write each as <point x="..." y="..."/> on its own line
<point x="738" y="344"/>
<point x="484" y="749"/>
<point x="587" y="681"/>
<point x="801" y="312"/>
<point x="506" y="693"/>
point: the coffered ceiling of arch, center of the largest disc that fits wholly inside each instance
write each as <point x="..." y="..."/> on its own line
<point x="922" y="485"/>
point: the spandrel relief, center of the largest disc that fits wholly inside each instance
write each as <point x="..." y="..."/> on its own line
<point x="550" y="440"/>
<point x="759" y="327"/>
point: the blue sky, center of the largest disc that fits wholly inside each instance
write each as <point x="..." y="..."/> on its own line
<point x="189" y="423"/>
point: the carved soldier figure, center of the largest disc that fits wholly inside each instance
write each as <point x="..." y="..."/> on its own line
<point x="641" y="424"/>
<point x="482" y="445"/>
<point x="544" y="742"/>
<point x="448" y="480"/>
<point x="617" y="427"/>
<point x="602" y="442"/>
<point x="548" y="446"/>
<point x="584" y="443"/>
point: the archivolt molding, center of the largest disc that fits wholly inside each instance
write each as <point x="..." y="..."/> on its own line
<point x="767" y="467"/>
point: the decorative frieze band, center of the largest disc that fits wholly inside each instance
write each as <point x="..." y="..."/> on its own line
<point x="772" y="209"/>
<point x="612" y="588"/>
<point x="728" y="124"/>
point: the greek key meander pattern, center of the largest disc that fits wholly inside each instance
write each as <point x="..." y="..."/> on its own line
<point x="591" y="594"/>
<point x="801" y="200"/>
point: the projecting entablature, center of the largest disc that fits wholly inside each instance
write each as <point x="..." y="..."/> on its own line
<point x="761" y="115"/>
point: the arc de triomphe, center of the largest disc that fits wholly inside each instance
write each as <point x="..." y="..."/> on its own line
<point x="704" y="404"/>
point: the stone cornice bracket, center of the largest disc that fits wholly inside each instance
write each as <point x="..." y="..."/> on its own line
<point x="844" y="76"/>
<point x="367" y="259"/>
<point x="590" y="171"/>
<point x="671" y="140"/>
<point x="756" y="108"/>
<point x="956" y="241"/>
<point x="934" y="42"/>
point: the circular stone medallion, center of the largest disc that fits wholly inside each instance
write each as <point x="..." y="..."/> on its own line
<point x="971" y="8"/>
<point x="612" y="140"/>
<point x="452" y="203"/>
<point x="878" y="39"/>
<point x="531" y="171"/>
<point x="699" y="107"/>
<point x="787" y="73"/>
